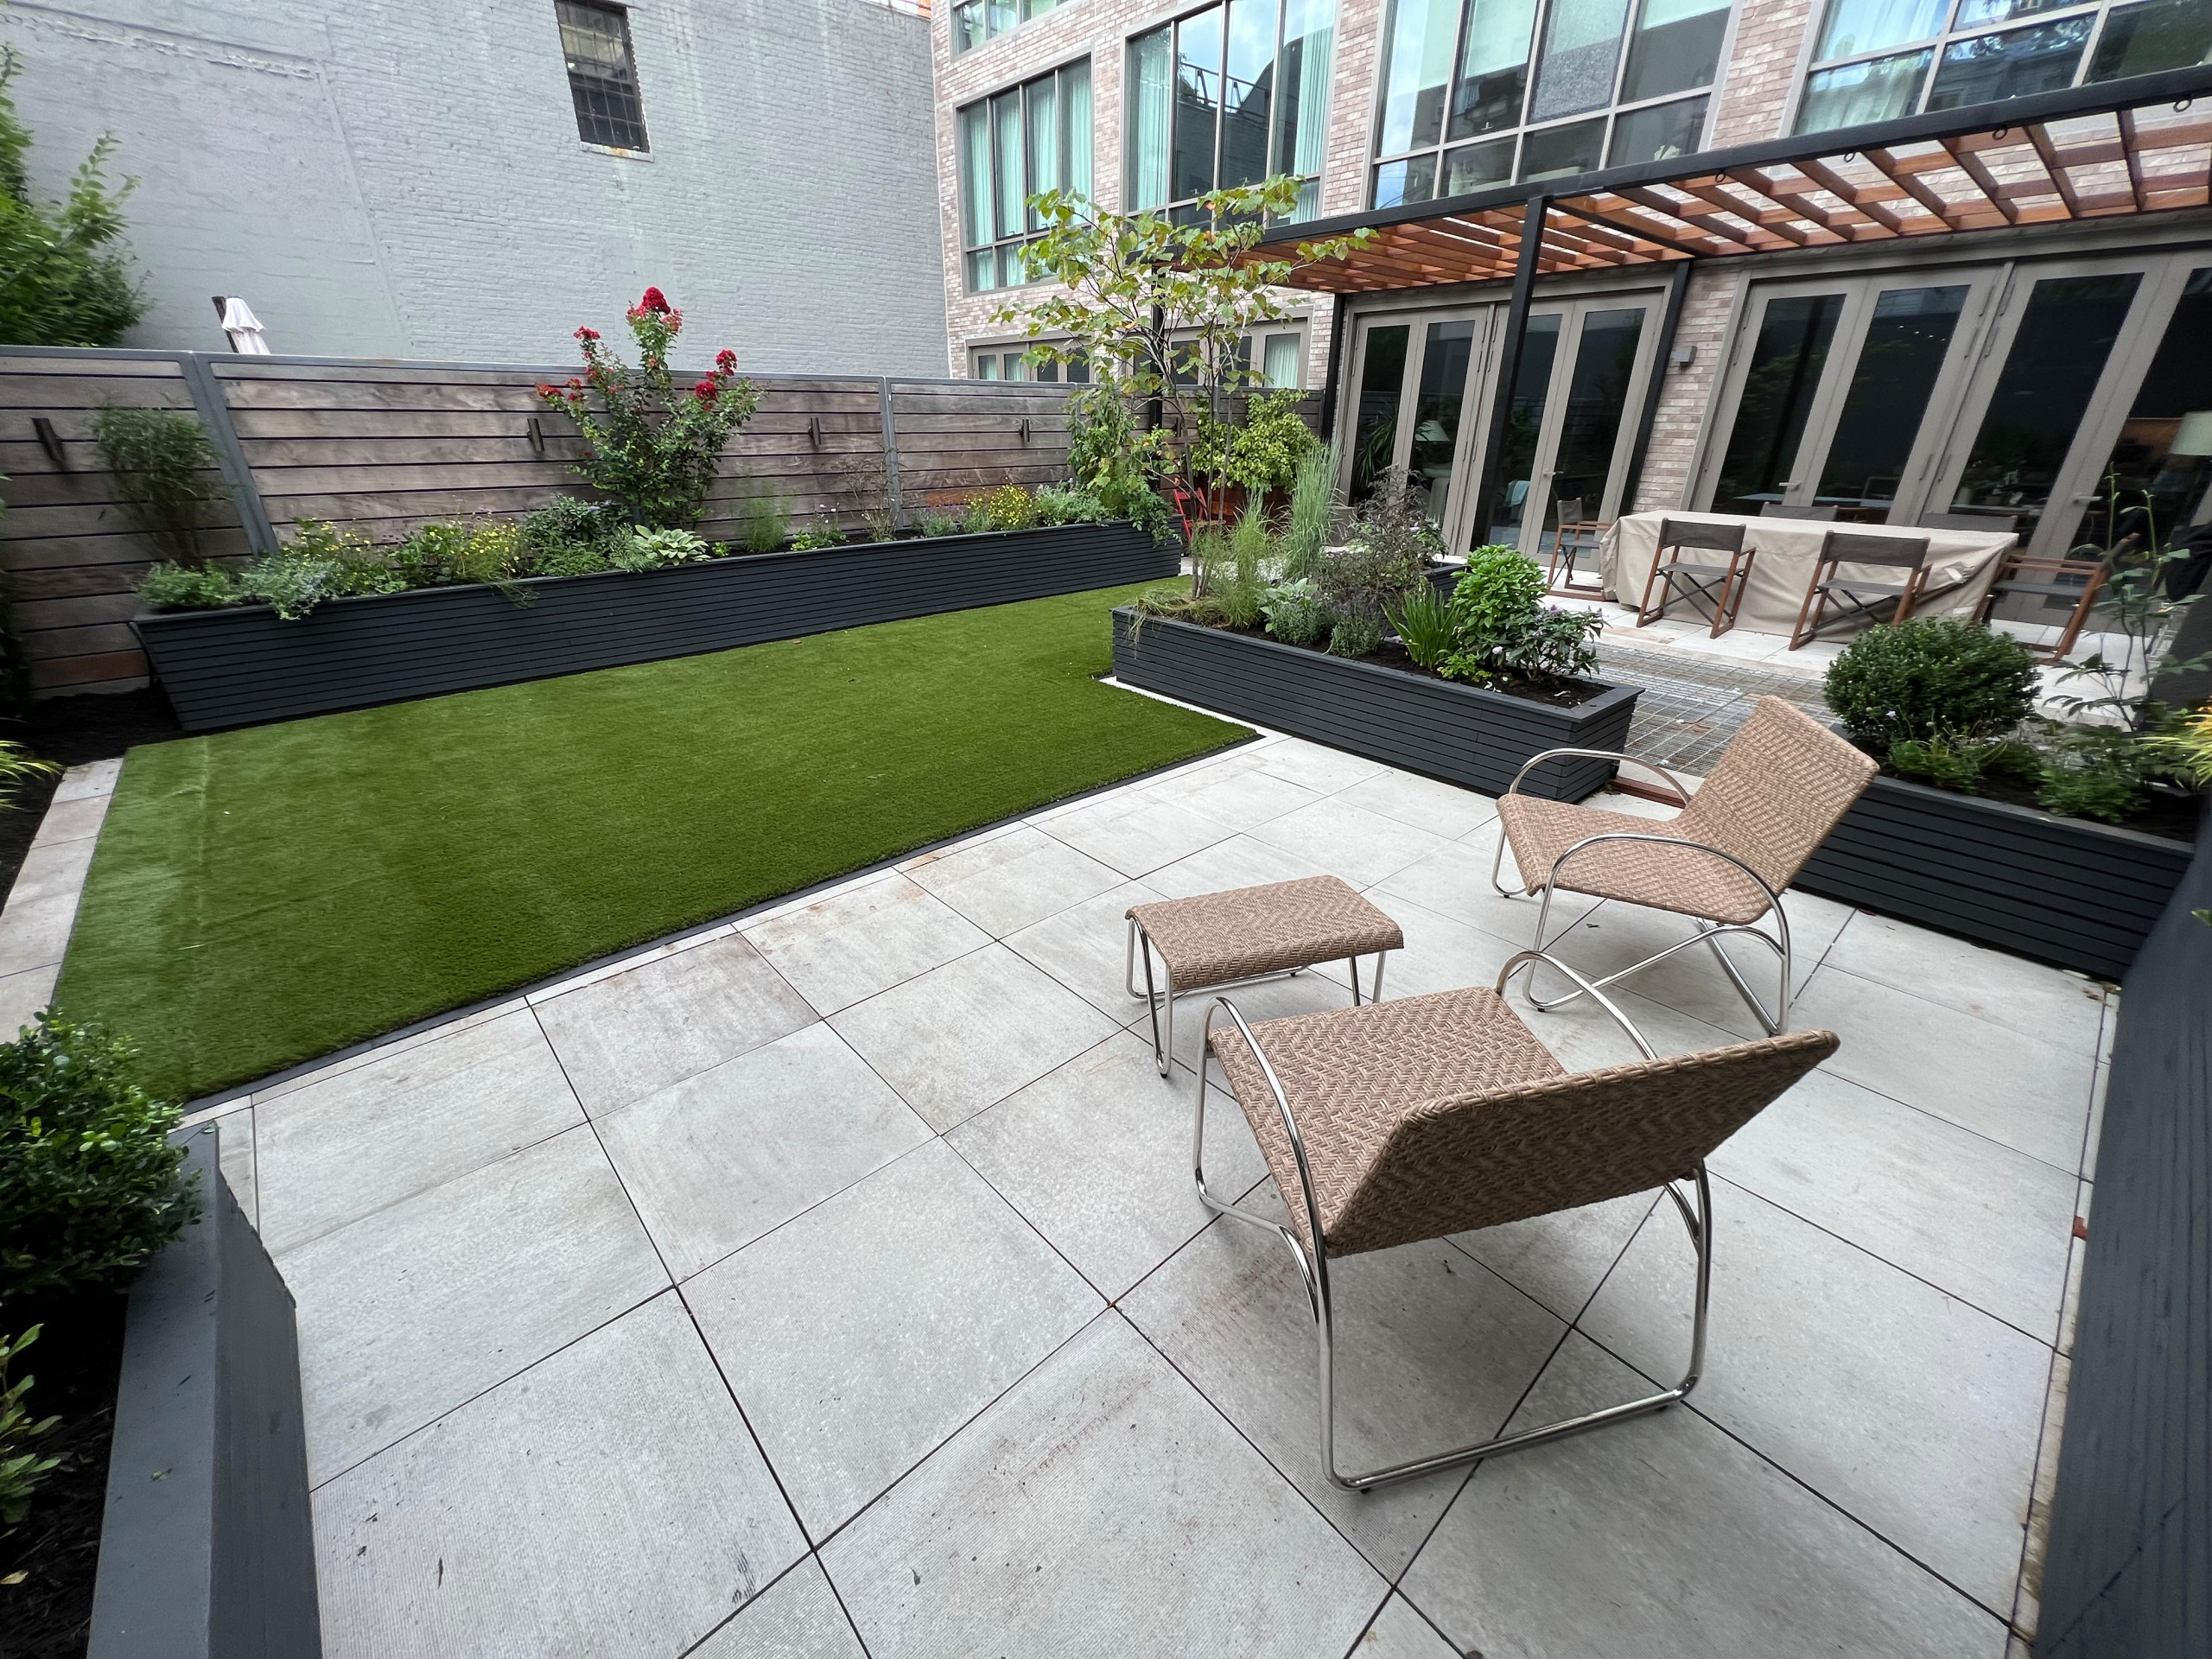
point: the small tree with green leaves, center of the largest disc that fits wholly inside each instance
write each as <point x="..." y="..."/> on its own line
<point x="653" y="449"/>
<point x="159" y="458"/>
<point x="1160" y="310"/>
<point x="63" y="281"/>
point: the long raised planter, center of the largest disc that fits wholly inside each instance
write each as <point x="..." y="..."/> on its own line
<point x="2065" y="891"/>
<point x="207" y="1546"/>
<point x="1461" y="733"/>
<point x="239" y="667"/>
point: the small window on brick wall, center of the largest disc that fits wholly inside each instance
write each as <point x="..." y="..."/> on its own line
<point x="602" y="75"/>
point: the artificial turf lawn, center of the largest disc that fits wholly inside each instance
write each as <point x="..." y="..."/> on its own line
<point x="263" y="897"/>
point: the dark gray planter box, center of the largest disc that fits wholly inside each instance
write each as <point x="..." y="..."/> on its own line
<point x="238" y="667"/>
<point x="207" y="1549"/>
<point x="1461" y="733"/>
<point x="2066" y="891"/>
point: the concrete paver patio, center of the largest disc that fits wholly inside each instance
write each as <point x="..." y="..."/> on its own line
<point x="830" y="1283"/>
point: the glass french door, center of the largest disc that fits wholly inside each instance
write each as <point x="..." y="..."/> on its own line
<point x="1840" y="392"/>
<point x="2077" y="423"/>
<point x="1423" y="395"/>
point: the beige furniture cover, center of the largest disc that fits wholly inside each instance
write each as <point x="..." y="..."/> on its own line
<point x="1961" y="565"/>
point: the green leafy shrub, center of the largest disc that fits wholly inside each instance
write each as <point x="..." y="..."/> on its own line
<point x="1365" y="578"/>
<point x="1010" y="506"/>
<point x="21" y="1468"/>
<point x="763" y="523"/>
<point x="2184" y="749"/>
<point x="1923" y="679"/>
<point x="64" y="280"/>
<point x="1108" y="458"/>
<point x="818" y="535"/>
<point x="2094" y="772"/>
<point x="90" y="1187"/>
<point x="159" y="458"/>
<point x="1423" y="621"/>
<point x="187" y="587"/>
<point x="1355" y="636"/>
<point x="936" y="522"/>
<point x="976" y="517"/>
<point x="1502" y="631"/>
<point x="1294" y="612"/>
<point x="1059" y="506"/>
<point x="666" y="547"/>
<point x="321" y="562"/>
<point x="652" y="447"/>
<point x="569" y="522"/>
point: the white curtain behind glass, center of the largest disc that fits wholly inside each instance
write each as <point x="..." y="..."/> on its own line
<point x="1075" y="137"/>
<point x="1152" y="103"/>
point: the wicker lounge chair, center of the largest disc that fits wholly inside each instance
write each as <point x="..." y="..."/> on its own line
<point x="1217" y="940"/>
<point x="1778" y="789"/>
<point x="1413" y="1120"/>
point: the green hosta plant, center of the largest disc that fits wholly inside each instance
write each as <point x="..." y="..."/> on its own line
<point x="653" y="449"/>
<point x="90" y="1187"/>
<point x="21" y="1468"/>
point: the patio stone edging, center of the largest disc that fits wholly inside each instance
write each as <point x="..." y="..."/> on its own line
<point x="41" y="909"/>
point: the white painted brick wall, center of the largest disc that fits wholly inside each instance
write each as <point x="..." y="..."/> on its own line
<point x="403" y="178"/>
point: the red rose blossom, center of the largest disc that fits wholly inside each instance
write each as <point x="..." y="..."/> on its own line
<point x="574" y="384"/>
<point x="653" y="300"/>
<point x="546" y="391"/>
<point x="587" y="333"/>
<point x="706" y="391"/>
<point x="725" y="361"/>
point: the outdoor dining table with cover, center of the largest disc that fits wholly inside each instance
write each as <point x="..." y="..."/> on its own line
<point x="1961" y="563"/>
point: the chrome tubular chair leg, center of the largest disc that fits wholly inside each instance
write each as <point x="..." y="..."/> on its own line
<point x="1163" y="1009"/>
<point x="1776" y="1020"/>
<point x="1700" y="1231"/>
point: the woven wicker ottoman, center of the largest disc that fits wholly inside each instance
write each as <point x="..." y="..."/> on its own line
<point x="1215" y="940"/>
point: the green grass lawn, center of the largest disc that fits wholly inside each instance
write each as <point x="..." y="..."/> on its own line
<point x="263" y="897"/>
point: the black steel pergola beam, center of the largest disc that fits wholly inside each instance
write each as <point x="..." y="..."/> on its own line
<point x="1509" y="362"/>
<point x="2071" y="103"/>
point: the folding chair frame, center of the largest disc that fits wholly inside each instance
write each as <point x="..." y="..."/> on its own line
<point x="2015" y="563"/>
<point x="1163" y="1006"/>
<point x="1568" y="539"/>
<point x="1727" y="593"/>
<point x="1818" y="591"/>
<point x="1773" y="1020"/>
<point x="1314" y="1265"/>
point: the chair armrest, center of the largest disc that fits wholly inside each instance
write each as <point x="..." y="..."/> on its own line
<point x="1531" y="957"/>
<point x="1772" y="898"/>
<point x="1673" y="782"/>
<point x="1282" y="1106"/>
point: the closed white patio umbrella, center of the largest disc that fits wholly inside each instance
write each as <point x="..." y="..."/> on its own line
<point x="242" y="325"/>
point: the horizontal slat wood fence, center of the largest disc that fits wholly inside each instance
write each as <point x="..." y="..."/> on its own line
<point x="386" y="446"/>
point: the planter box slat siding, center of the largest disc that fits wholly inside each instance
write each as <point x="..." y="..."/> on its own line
<point x="1461" y="733"/>
<point x="2066" y="891"/>
<point x="237" y="667"/>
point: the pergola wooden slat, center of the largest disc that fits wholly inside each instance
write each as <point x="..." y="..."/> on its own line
<point x="1956" y="172"/>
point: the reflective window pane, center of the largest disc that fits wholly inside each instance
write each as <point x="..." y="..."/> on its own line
<point x="1197" y="102"/>
<point x="1005" y="143"/>
<point x="1001" y="15"/>
<point x="1990" y="67"/>
<point x="987" y="366"/>
<point x="1075" y="129"/>
<point x="1151" y="102"/>
<point x="2057" y="355"/>
<point x="2160" y="466"/>
<point x="1247" y="91"/>
<point x="1558" y="152"/>
<point x="2158" y="34"/>
<point x="1397" y="183"/>
<point x="1582" y="45"/>
<point x="967" y="25"/>
<point x="1476" y="167"/>
<point x="1974" y="14"/>
<point x="1862" y="92"/>
<point x="1855" y="26"/>
<point x="1375" y="427"/>
<point x="1784" y="373"/>
<point x="1043" y="127"/>
<point x="1677" y="47"/>
<point x="1302" y="85"/>
<point x="1524" y="421"/>
<point x="975" y="222"/>
<point x="1597" y="403"/>
<point x="1906" y="341"/>
<point x="1416" y="73"/>
<point x="1494" y="68"/>
<point x="1445" y="359"/>
<point x="1653" y="135"/>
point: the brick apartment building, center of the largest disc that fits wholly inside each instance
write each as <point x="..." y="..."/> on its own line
<point x="2050" y="336"/>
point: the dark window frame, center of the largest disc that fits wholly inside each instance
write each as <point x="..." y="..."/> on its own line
<point x="610" y="106"/>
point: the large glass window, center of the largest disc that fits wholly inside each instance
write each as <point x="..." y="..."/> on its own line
<point x="1875" y="60"/>
<point x="602" y="75"/>
<point x="1229" y="96"/>
<point x="1480" y="93"/>
<point x="974" y="22"/>
<point x="2159" y="466"/>
<point x="1020" y="144"/>
<point x="1787" y="358"/>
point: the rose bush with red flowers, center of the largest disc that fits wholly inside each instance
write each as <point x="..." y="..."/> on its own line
<point x="652" y="448"/>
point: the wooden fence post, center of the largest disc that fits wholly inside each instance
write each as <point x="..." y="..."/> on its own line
<point x="890" y="446"/>
<point x="215" y="415"/>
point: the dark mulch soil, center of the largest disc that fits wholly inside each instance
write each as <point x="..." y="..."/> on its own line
<point x="72" y="731"/>
<point x="1564" y="694"/>
<point x="46" y="1564"/>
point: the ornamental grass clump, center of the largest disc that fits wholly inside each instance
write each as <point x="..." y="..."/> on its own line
<point x="652" y="447"/>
